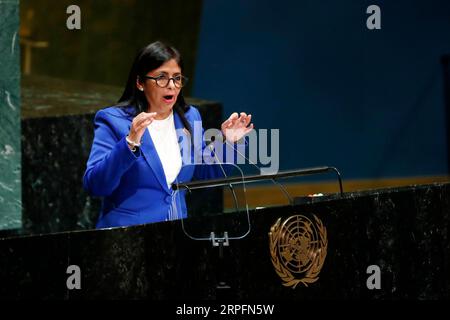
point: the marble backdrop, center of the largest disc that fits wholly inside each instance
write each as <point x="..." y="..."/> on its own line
<point x="10" y="153"/>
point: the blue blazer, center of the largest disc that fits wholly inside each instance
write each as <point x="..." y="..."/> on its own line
<point x="134" y="187"/>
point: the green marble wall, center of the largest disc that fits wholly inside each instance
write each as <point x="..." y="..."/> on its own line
<point x="10" y="154"/>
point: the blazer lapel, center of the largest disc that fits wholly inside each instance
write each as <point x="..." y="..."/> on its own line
<point x="152" y="158"/>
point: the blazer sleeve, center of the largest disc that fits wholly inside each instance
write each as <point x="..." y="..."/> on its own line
<point x="109" y="159"/>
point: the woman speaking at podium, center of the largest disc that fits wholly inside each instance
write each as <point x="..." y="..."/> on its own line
<point x="135" y="155"/>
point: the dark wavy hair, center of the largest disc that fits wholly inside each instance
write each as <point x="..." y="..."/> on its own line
<point x="149" y="58"/>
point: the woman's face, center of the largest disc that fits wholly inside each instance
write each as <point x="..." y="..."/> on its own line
<point x="161" y="100"/>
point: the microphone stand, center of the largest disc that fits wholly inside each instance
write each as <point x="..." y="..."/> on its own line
<point x="283" y="189"/>
<point x="224" y="173"/>
<point x="223" y="290"/>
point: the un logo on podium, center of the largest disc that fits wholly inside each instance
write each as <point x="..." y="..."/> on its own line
<point x="298" y="247"/>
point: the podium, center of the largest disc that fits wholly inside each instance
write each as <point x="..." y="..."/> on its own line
<point x="402" y="231"/>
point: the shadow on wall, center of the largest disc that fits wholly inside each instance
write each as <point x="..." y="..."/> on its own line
<point x="111" y="33"/>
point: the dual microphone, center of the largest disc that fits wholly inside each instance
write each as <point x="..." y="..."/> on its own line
<point x="210" y="145"/>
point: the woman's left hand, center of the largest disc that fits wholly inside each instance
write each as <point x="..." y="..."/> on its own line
<point x="235" y="127"/>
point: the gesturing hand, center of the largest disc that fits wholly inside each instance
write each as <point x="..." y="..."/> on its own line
<point x="235" y="127"/>
<point x="139" y="124"/>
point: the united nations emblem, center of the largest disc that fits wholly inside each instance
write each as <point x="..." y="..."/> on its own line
<point x="298" y="247"/>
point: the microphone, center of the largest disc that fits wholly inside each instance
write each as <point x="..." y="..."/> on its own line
<point x="282" y="188"/>
<point x="211" y="148"/>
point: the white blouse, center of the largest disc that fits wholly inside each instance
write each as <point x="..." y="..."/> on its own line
<point x="165" y="140"/>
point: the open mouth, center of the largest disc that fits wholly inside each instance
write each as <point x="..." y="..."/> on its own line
<point x="168" y="98"/>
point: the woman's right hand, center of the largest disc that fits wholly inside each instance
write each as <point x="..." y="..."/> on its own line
<point x="139" y="124"/>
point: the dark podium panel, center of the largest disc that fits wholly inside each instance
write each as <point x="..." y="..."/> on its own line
<point x="404" y="231"/>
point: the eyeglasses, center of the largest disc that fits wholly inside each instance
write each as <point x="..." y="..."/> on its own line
<point x="163" y="81"/>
